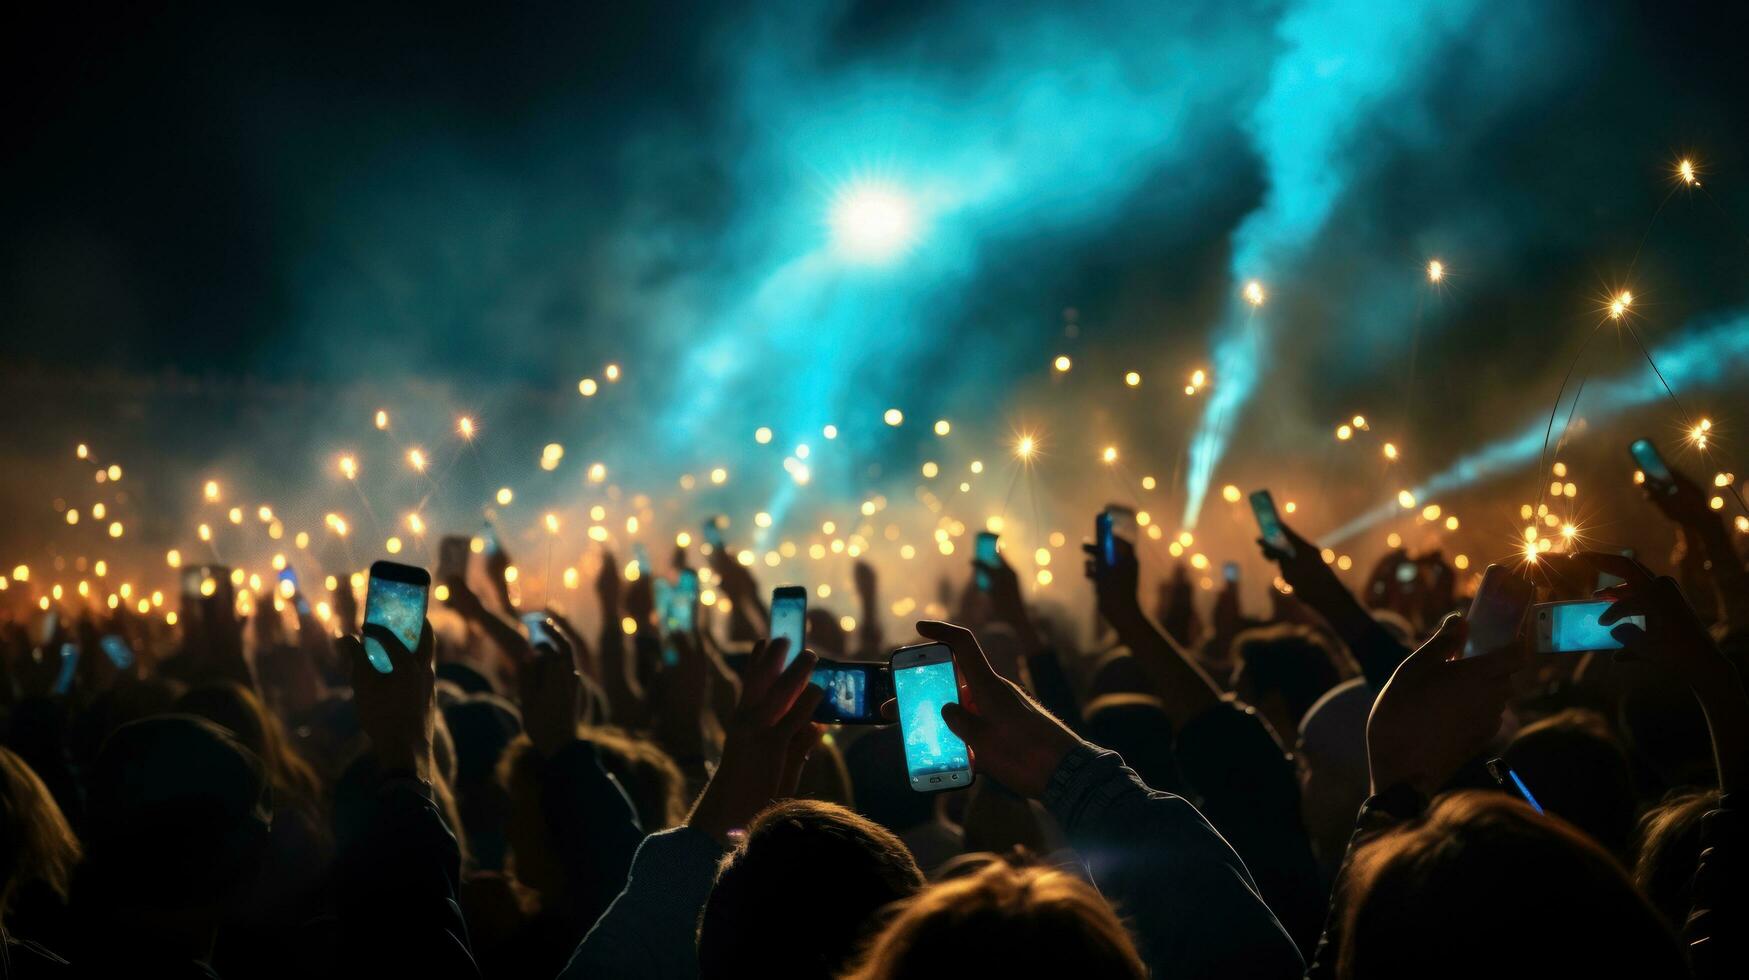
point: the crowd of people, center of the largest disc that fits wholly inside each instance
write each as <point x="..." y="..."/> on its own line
<point x="1334" y="788"/>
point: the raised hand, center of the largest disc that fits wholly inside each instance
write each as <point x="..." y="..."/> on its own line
<point x="1013" y="739"/>
<point x="550" y="693"/>
<point x="1438" y="710"/>
<point x="1675" y="640"/>
<point x="1115" y="585"/>
<point x="769" y="737"/>
<point x="397" y="710"/>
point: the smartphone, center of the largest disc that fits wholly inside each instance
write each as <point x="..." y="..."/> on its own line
<point x="923" y="681"/>
<point x="1269" y="522"/>
<point x="69" y="664"/>
<point x="789" y="619"/>
<point x="291" y="588"/>
<point x="713" y="532"/>
<point x="51" y="625"/>
<point x="118" y="651"/>
<point x="1230" y="571"/>
<point x="1123" y="521"/>
<point x="1497" y="611"/>
<point x="1107" y="541"/>
<point x="395" y="599"/>
<point x="452" y="558"/>
<point x="489" y="538"/>
<point x="1572" y="626"/>
<point x="683" y="602"/>
<point x="1608" y="581"/>
<point x="1658" y="475"/>
<point x="536" y="624"/>
<point x="1407" y="573"/>
<point x="854" y="692"/>
<point x="985" y="555"/>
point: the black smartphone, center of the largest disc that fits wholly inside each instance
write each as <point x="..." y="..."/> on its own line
<point x="854" y="690"/>
<point x="1269" y="522"/>
<point x="1658" y="476"/>
<point x="985" y="553"/>
<point x="924" y="679"/>
<point x="789" y="618"/>
<point x="1230" y="571"/>
<point x="1497" y="611"/>
<point x="395" y="600"/>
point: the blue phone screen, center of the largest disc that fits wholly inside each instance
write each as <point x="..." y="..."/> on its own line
<point x="118" y="651"/>
<point x="400" y="606"/>
<point x="789" y="621"/>
<point x="846" y="690"/>
<point x="1575" y="627"/>
<point x="929" y="746"/>
<point x="69" y="664"/>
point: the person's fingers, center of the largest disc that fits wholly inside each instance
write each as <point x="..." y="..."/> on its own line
<point x="801" y="713"/>
<point x="1627" y="605"/>
<point x="1632" y="638"/>
<point x="352" y="653"/>
<point x="399" y="656"/>
<point x="890" y="710"/>
<point x="969" y="727"/>
<point x="764" y="663"/>
<point x="1446" y="642"/>
<point x="791" y="685"/>
<point x="974" y="667"/>
<point x="1270" y="552"/>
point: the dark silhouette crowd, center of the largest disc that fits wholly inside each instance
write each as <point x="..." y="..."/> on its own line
<point x="1336" y="787"/>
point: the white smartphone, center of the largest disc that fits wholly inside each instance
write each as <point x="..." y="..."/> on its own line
<point x="789" y="619"/>
<point x="396" y="600"/>
<point x="923" y="681"/>
<point x="1573" y="627"/>
<point x="1497" y="611"/>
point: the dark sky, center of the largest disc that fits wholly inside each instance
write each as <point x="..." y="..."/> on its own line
<point x="499" y="198"/>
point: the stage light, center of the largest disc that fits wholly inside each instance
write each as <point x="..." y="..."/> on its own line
<point x="1435" y="271"/>
<point x="873" y="222"/>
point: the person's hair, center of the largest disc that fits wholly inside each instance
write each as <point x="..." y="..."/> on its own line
<point x="1482" y="885"/>
<point x="802" y="890"/>
<point x="1669" y="851"/>
<point x="1577" y="771"/>
<point x="240" y="711"/>
<point x="1293" y="661"/>
<point x="1136" y="727"/>
<point x="1004" y="921"/>
<point x="651" y="778"/>
<point x="177" y="817"/>
<point x="36" y="844"/>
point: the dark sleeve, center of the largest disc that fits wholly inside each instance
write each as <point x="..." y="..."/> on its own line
<point x="397" y="877"/>
<point x="1249" y="789"/>
<point x="1717" y="930"/>
<point x="650" y="931"/>
<point x="1187" y="897"/>
<point x="1377" y="815"/>
<point x="592" y="825"/>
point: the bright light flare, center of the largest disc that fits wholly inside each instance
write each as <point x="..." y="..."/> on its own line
<point x="416" y="459"/>
<point x="873" y="222"/>
<point x="1026" y="447"/>
<point x="465" y="426"/>
<point x="1685" y="172"/>
<point x="1619" y="305"/>
<point x="1254" y="293"/>
<point x="1435" y="271"/>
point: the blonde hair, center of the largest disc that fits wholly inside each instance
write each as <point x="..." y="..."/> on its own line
<point x="36" y="844"/>
<point x="1004" y="920"/>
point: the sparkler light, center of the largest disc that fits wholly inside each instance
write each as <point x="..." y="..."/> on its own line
<point x="465" y="426"/>
<point x="416" y="459"/>
<point x="1619" y="305"/>
<point x="1026" y="446"/>
<point x="587" y="387"/>
<point x="1062" y="363"/>
<point x="1685" y="172"/>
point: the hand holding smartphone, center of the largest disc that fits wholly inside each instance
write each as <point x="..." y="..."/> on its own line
<point x="396" y="601"/>
<point x="1574" y="626"/>
<point x="854" y="692"/>
<point x="1497" y="611"/>
<point x="1269" y="522"/>
<point x="924" y="680"/>
<point x="1659" y="479"/>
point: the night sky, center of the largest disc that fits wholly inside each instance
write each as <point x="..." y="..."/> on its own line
<point x="249" y="227"/>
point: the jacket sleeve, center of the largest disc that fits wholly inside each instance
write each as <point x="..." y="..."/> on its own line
<point x="592" y="825"/>
<point x="398" y="878"/>
<point x="650" y="932"/>
<point x="1189" y="900"/>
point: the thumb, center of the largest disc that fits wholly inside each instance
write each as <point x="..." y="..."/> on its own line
<point x="1444" y="644"/>
<point x="969" y="727"/>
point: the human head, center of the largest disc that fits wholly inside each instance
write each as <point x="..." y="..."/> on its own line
<point x="1282" y="671"/>
<point x="1004" y="921"/>
<point x="35" y="842"/>
<point x="1578" y="772"/>
<point x="1331" y="752"/>
<point x="240" y="711"/>
<point x="1669" y="851"/>
<point x="759" y="921"/>
<point x="1136" y="727"/>
<point x="177" y="817"/>
<point x="1482" y="885"/>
